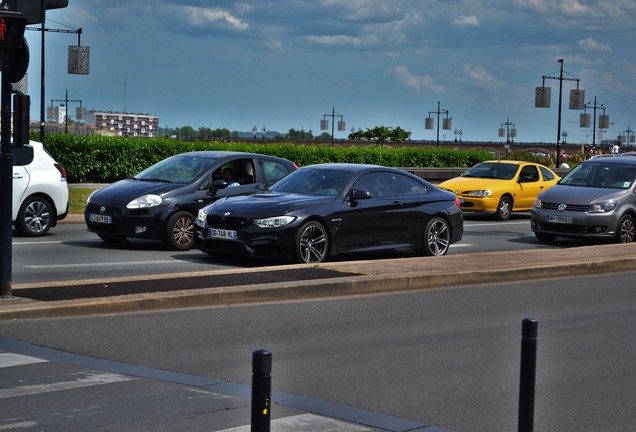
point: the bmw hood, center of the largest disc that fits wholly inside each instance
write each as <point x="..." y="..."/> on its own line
<point x="575" y="195"/>
<point x="268" y="204"/>
<point x="129" y="189"/>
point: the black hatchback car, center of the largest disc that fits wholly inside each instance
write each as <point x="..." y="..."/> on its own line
<point x="326" y="210"/>
<point x="162" y="201"/>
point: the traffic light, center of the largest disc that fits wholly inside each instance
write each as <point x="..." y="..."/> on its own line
<point x="12" y="26"/>
<point x="21" y="116"/>
<point x="33" y="10"/>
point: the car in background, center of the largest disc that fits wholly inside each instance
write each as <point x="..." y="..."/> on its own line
<point x="501" y="186"/>
<point x="162" y="201"/>
<point x="596" y="200"/>
<point x="40" y="190"/>
<point x="325" y="210"/>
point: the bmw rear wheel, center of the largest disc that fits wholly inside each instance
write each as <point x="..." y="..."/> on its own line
<point x="35" y="217"/>
<point x="312" y="243"/>
<point x="180" y="231"/>
<point x="437" y="240"/>
<point x="626" y="231"/>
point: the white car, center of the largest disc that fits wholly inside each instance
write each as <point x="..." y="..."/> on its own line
<point x="40" y="190"/>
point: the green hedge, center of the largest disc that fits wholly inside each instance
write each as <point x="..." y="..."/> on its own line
<point x="108" y="159"/>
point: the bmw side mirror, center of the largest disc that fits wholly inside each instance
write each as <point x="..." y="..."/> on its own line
<point x="360" y="194"/>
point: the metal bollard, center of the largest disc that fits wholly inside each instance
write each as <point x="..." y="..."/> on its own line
<point x="261" y="390"/>
<point x="528" y="374"/>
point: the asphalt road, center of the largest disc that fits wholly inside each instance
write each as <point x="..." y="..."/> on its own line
<point x="69" y="252"/>
<point x="447" y="357"/>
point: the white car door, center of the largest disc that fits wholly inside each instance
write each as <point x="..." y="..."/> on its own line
<point x="20" y="183"/>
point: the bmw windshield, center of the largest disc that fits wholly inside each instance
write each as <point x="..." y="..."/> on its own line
<point x="314" y="181"/>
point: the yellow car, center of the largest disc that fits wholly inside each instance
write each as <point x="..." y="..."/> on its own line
<point x="501" y="186"/>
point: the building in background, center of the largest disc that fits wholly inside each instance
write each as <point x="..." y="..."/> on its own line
<point x="122" y="124"/>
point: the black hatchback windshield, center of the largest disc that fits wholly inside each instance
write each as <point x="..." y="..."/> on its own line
<point x="177" y="169"/>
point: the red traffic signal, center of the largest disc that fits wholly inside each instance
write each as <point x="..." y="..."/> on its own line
<point x="11" y="30"/>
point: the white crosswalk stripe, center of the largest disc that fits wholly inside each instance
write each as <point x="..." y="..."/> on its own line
<point x="11" y="359"/>
<point x="305" y="423"/>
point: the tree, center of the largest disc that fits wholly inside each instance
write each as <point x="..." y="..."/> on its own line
<point x="187" y="132"/>
<point x="381" y="134"/>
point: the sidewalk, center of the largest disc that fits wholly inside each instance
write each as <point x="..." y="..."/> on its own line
<point x="302" y="281"/>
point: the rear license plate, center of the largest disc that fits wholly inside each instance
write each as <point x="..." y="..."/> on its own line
<point x="100" y="218"/>
<point x="221" y="233"/>
<point x="560" y="219"/>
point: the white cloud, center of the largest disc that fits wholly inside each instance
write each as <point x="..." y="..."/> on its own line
<point x="590" y="44"/>
<point x="201" y="17"/>
<point x="342" y="40"/>
<point x="466" y="21"/>
<point x="481" y="78"/>
<point x="418" y="83"/>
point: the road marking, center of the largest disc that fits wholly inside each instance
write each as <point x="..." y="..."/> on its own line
<point x="10" y="360"/>
<point x="126" y="263"/>
<point x="306" y="423"/>
<point x="496" y="223"/>
<point x="35" y="243"/>
<point x="89" y="379"/>
<point x="20" y="425"/>
<point x="458" y="245"/>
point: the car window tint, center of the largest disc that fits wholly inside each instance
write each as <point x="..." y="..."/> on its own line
<point x="547" y="174"/>
<point x="273" y="170"/>
<point x="408" y="186"/>
<point x="379" y="185"/>
<point x="529" y="174"/>
<point x="22" y="155"/>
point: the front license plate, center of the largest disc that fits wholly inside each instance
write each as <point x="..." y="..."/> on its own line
<point x="560" y="219"/>
<point x="221" y="233"/>
<point x="462" y="200"/>
<point x="100" y="218"/>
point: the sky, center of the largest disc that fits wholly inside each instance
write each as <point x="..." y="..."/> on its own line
<point x="288" y="64"/>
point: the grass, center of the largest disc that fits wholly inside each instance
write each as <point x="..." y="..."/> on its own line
<point x="77" y="199"/>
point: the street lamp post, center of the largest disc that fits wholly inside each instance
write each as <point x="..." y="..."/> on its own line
<point x="510" y="132"/>
<point x="603" y="121"/>
<point x="324" y="123"/>
<point x="428" y="124"/>
<point x="542" y="100"/>
<point x="630" y="134"/>
<point x="460" y="133"/>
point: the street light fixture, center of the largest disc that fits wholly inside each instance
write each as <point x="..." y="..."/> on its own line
<point x="542" y="100"/>
<point x="510" y="132"/>
<point x="630" y="136"/>
<point x="324" y="123"/>
<point x="428" y="122"/>
<point x="603" y="120"/>
<point x="458" y="132"/>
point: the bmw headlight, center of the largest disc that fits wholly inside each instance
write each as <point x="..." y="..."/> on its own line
<point x="274" y="222"/>
<point x="144" y="201"/>
<point x="201" y="216"/>
<point x="602" y="207"/>
<point x="480" y="193"/>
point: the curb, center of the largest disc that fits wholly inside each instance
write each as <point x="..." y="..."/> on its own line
<point x="376" y="277"/>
